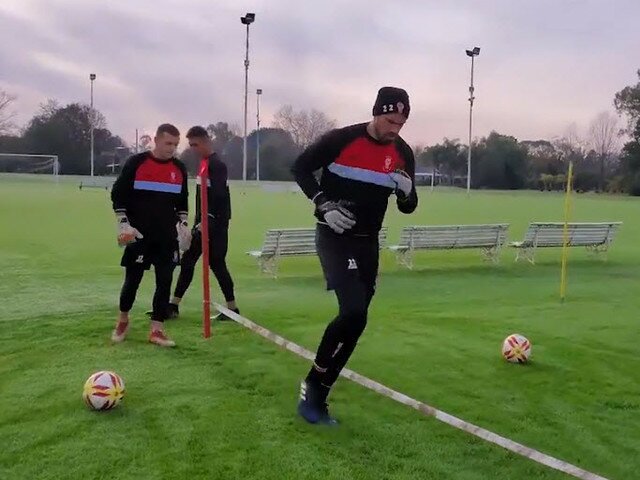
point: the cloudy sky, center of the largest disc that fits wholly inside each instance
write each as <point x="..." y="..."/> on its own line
<point x="544" y="64"/>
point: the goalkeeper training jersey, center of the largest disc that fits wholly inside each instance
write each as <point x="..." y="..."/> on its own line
<point x="355" y="168"/>
<point x="218" y="197"/>
<point x="152" y="193"/>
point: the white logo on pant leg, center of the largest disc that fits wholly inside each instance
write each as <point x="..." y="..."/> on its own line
<point x="140" y="259"/>
<point x="352" y="264"/>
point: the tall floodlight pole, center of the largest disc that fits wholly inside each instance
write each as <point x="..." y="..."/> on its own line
<point x="471" y="53"/>
<point x="247" y="20"/>
<point x="258" y="93"/>
<point x="92" y="77"/>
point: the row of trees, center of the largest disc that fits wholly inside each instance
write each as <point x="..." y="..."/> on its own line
<point x="65" y="131"/>
<point x="498" y="161"/>
<point x="502" y="162"/>
<point x="292" y="131"/>
<point x="627" y="102"/>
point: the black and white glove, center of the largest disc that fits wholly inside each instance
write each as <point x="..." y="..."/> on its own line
<point x="126" y="233"/>
<point x="335" y="214"/>
<point x="403" y="182"/>
<point x="184" y="234"/>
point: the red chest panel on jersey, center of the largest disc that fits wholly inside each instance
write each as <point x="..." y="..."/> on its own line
<point x="158" y="177"/>
<point x="366" y="161"/>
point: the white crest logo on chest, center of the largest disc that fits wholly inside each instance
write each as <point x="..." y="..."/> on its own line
<point x="387" y="163"/>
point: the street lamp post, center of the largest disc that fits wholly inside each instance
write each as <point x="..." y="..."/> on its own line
<point x="471" y="53"/>
<point x="258" y="93"/>
<point x="247" y="20"/>
<point x="92" y="77"/>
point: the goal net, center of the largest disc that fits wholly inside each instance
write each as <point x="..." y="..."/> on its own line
<point x="24" y="163"/>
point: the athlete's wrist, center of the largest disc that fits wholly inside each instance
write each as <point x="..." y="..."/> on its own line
<point x="319" y="198"/>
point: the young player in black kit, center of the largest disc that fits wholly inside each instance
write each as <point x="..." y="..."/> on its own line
<point x="219" y="204"/>
<point x="362" y="165"/>
<point x="151" y="200"/>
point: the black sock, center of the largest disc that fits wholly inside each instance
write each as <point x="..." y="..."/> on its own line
<point x="320" y="390"/>
<point x="317" y="378"/>
<point x="314" y="377"/>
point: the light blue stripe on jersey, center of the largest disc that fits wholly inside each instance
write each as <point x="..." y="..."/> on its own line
<point x="362" y="175"/>
<point x="157" y="186"/>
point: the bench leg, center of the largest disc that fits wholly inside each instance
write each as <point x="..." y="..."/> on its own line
<point x="596" y="250"/>
<point x="269" y="266"/>
<point x="405" y="258"/>
<point x="491" y="254"/>
<point x="526" y="253"/>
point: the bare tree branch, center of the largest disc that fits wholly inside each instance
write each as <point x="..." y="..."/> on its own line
<point x="304" y="126"/>
<point x="6" y="114"/>
<point x="603" y="134"/>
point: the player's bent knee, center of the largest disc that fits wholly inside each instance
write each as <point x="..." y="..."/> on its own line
<point x="354" y="321"/>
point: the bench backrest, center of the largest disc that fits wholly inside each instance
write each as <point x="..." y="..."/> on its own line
<point x="551" y="234"/>
<point x="453" y="236"/>
<point x="299" y="241"/>
<point x="291" y="241"/>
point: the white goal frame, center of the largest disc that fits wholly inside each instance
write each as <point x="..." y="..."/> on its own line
<point x="56" y="163"/>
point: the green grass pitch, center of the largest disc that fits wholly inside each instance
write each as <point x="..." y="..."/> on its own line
<point x="225" y="408"/>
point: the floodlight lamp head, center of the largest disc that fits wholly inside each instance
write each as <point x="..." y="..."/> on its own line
<point x="248" y="19"/>
<point x="473" y="53"/>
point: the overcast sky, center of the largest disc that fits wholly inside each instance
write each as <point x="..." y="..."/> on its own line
<point x="544" y="64"/>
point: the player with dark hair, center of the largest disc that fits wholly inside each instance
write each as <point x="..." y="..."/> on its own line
<point x="151" y="203"/>
<point x="219" y="204"/>
<point x="362" y="165"/>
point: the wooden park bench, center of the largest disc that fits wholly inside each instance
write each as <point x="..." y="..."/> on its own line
<point x="488" y="238"/>
<point x="288" y="242"/>
<point x="596" y="237"/>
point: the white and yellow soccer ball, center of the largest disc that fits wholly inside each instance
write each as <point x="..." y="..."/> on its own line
<point x="103" y="390"/>
<point x="516" y="348"/>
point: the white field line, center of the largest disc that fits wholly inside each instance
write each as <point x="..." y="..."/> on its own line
<point x="444" y="417"/>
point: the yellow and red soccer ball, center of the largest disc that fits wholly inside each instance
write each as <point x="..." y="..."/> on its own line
<point x="516" y="348"/>
<point x="103" y="390"/>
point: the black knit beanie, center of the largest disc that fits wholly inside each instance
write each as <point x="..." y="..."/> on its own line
<point x="391" y="100"/>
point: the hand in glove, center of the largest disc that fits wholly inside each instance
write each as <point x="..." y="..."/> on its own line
<point x="126" y="233"/>
<point x="403" y="182"/>
<point x="184" y="235"/>
<point x="337" y="216"/>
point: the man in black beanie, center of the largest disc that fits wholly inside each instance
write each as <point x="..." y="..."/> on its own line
<point x="362" y="165"/>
